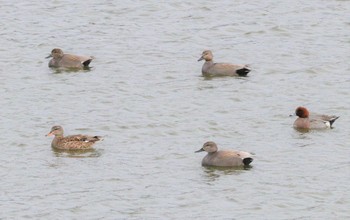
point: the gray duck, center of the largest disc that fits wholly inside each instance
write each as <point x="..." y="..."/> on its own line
<point x="60" y="59"/>
<point x="210" y="68"/>
<point x="224" y="158"/>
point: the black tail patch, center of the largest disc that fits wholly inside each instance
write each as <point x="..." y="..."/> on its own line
<point x="247" y="161"/>
<point x="87" y="62"/>
<point x="333" y="120"/>
<point x="243" y="72"/>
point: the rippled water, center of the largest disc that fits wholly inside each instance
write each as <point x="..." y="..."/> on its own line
<point x="146" y="96"/>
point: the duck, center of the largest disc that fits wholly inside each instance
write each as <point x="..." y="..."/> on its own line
<point x="224" y="158"/>
<point x="72" y="142"/>
<point x="306" y="120"/>
<point x="63" y="60"/>
<point x="210" y="68"/>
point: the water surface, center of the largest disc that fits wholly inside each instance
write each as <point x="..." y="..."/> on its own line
<point x="146" y="96"/>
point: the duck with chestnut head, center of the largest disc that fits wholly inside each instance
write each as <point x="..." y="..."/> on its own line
<point x="306" y="120"/>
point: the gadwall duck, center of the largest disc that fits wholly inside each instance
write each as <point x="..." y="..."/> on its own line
<point x="306" y="120"/>
<point x="221" y="69"/>
<point x="72" y="142"/>
<point x="227" y="158"/>
<point x="60" y="59"/>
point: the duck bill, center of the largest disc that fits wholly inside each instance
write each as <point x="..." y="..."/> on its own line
<point x="49" y="134"/>
<point x="48" y="56"/>
<point x="200" y="59"/>
<point x="200" y="150"/>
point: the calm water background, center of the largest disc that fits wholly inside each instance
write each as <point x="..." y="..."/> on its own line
<point x="146" y="96"/>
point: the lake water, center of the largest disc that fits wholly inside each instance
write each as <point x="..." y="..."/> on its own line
<point x="146" y="96"/>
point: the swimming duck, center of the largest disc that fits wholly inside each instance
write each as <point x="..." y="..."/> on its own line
<point x="72" y="142"/>
<point x="224" y="158"/>
<point x="60" y="59"/>
<point x="221" y="69"/>
<point x="306" y="120"/>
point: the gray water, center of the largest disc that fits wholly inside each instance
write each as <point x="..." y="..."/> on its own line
<point x="146" y="96"/>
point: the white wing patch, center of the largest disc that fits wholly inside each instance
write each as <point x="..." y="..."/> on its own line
<point x="327" y="123"/>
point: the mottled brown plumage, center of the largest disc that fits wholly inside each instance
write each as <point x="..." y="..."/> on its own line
<point x="72" y="142"/>
<point x="60" y="59"/>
